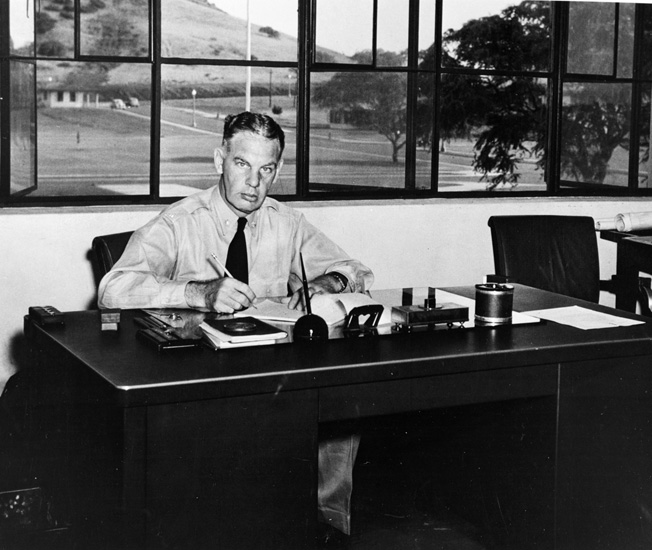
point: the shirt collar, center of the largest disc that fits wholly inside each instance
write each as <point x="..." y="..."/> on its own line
<point x="227" y="218"/>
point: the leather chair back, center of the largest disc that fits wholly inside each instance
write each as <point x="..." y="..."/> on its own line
<point x="106" y="251"/>
<point x="555" y="253"/>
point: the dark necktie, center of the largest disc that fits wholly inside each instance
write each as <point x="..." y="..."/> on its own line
<point x="236" y="258"/>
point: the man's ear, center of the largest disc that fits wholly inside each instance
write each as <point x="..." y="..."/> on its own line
<point x="218" y="160"/>
<point x="278" y="172"/>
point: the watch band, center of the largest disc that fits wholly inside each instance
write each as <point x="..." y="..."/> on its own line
<point x="344" y="282"/>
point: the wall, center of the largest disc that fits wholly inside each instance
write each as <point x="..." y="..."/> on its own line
<point x="434" y="242"/>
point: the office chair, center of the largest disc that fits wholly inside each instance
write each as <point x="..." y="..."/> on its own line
<point x="106" y="251"/>
<point x="555" y="253"/>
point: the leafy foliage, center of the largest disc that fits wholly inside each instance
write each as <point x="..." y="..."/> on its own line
<point x="52" y="48"/>
<point x="269" y="31"/>
<point x="44" y="22"/>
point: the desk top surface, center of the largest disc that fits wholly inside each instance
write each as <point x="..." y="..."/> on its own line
<point x="135" y="373"/>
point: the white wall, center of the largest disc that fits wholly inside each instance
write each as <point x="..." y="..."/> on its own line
<point x="436" y="242"/>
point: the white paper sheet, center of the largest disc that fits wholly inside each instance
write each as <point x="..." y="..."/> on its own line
<point x="583" y="318"/>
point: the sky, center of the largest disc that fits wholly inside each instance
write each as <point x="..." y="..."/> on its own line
<point x="347" y="35"/>
<point x="342" y="34"/>
<point x="353" y="33"/>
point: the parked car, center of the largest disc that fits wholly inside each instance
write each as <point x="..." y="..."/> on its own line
<point x="118" y="104"/>
<point x="133" y="102"/>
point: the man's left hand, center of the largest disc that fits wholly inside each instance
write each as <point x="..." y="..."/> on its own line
<point x="324" y="284"/>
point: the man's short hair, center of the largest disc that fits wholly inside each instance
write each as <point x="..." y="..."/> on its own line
<point x="257" y="123"/>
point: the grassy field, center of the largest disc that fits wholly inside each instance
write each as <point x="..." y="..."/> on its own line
<point x="106" y="151"/>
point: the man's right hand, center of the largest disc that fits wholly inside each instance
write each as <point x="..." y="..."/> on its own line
<point x="225" y="295"/>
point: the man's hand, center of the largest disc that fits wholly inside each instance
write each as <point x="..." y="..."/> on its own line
<point x="225" y="295"/>
<point x="324" y="284"/>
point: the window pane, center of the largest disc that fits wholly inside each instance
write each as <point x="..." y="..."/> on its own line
<point x="344" y="35"/>
<point x="625" y="40"/>
<point x="644" y="123"/>
<point x="357" y="134"/>
<point x="192" y="124"/>
<point x="492" y="134"/>
<point x="496" y="34"/>
<point x="21" y="27"/>
<point x="646" y="71"/>
<point x="591" y="37"/>
<point x="595" y="133"/>
<point x="424" y="130"/>
<point x="392" y="35"/>
<point x="22" y="126"/>
<point x="54" y="28"/>
<point x="114" y="28"/>
<point x="219" y="30"/>
<point x="427" y="34"/>
<point x="98" y="144"/>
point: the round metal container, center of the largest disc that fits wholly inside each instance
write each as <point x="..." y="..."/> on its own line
<point x="493" y="304"/>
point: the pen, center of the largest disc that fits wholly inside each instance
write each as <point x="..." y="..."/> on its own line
<point x="306" y="294"/>
<point x="221" y="266"/>
<point x="226" y="272"/>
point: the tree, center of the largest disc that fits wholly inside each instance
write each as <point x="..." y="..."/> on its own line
<point x="370" y="98"/>
<point x="507" y="116"/>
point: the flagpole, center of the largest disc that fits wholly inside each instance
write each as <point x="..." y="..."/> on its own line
<point x="248" y="84"/>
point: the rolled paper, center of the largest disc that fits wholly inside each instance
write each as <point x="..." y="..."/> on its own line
<point x="634" y="221"/>
<point x="605" y="224"/>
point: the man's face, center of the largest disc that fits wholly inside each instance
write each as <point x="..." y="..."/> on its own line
<point x="249" y="164"/>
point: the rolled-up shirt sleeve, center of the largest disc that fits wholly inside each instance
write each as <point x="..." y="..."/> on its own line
<point x="143" y="276"/>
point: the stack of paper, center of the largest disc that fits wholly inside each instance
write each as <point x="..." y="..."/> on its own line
<point x="240" y="332"/>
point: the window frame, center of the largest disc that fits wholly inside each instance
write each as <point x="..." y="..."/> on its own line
<point x="306" y="66"/>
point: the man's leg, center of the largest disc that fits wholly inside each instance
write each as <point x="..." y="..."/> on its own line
<point x="336" y="460"/>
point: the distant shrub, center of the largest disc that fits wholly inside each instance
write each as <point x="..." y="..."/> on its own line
<point x="44" y="22"/>
<point x="324" y="57"/>
<point x="93" y="6"/>
<point x="51" y="48"/>
<point x="66" y="14"/>
<point x="269" y="31"/>
<point x="277" y="110"/>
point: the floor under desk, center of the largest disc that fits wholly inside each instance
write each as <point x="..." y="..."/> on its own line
<point x="455" y="478"/>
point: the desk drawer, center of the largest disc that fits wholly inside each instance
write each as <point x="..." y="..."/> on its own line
<point x="397" y="396"/>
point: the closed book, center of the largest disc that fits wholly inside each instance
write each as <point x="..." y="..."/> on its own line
<point x="241" y="330"/>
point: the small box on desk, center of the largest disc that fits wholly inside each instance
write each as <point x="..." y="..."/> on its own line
<point x="419" y="315"/>
<point x="110" y="319"/>
<point x="430" y="313"/>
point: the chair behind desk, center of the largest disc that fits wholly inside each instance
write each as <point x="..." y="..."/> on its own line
<point x="555" y="253"/>
<point x="106" y="251"/>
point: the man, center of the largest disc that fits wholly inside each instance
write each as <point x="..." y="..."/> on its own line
<point x="167" y="263"/>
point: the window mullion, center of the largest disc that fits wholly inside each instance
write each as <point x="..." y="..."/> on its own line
<point x="155" y="104"/>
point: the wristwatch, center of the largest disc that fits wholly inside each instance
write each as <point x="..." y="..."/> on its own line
<point x="344" y="282"/>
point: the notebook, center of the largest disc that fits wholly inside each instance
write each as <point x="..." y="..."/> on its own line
<point x="241" y="330"/>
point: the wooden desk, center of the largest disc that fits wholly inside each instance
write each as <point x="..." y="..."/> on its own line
<point x="633" y="255"/>
<point x="218" y="449"/>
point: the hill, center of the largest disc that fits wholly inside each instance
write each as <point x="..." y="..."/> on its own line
<point x="190" y="29"/>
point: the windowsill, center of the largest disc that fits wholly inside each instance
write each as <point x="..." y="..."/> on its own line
<point x="22" y="210"/>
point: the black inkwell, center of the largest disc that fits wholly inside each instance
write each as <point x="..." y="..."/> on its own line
<point x="309" y="328"/>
